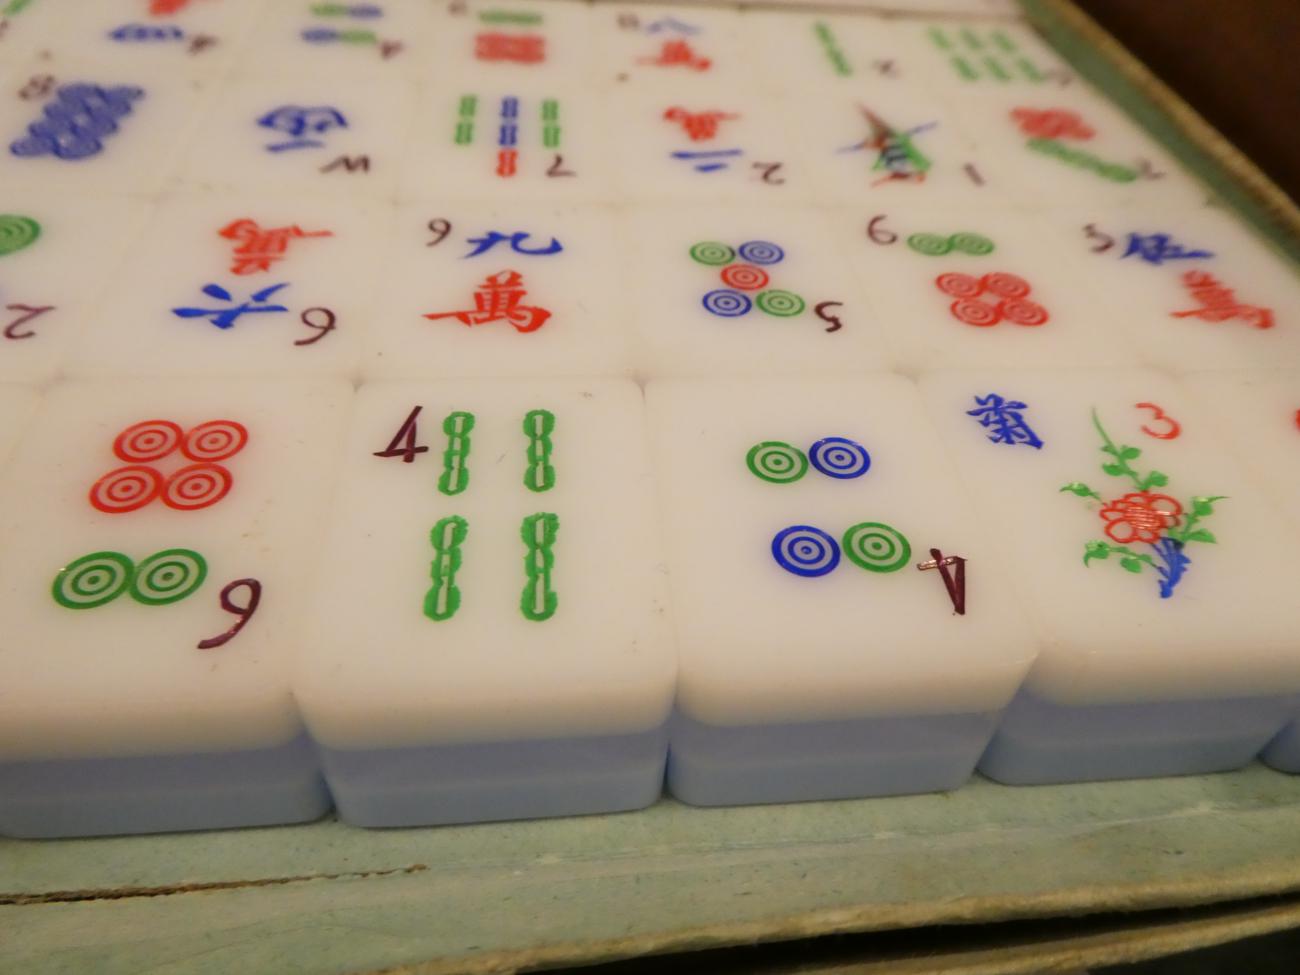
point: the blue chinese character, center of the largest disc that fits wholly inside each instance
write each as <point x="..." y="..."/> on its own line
<point x="1158" y="248"/>
<point x="1004" y="420"/>
<point x="297" y="121"/>
<point x="516" y="241"/>
<point x="709" y="166"/>
<point x="226" y="317"/>
<point x="147" y="32"/>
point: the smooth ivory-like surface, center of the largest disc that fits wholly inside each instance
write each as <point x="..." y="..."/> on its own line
<point x="17" y="403"/>
<point x="558" y="636"/>
<point x="94" y="676"/>
<point x="1106" y="633"/>
<point x="762" y="645"/>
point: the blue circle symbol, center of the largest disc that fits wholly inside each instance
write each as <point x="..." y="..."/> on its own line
<point x="760" y="252"/>
<point x="839" y="457"/>
<point x="805" y="551"/>
<point x="727" y="303"/>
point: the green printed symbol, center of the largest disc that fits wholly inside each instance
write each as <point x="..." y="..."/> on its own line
<point x="777" y="462"/>
<point x="465" y="112"/>
<point x="969" y="53"/>
<point x="713" y="253"/>
<point x="539" y="601"/>
<point x="839" y="63"/>
<point x="522" y="18"/>
<point x="538" y="426"/>
<point x="550" y="123"/>
<point x="168" y="576"/>
<point x="17" y="233"/>
<point x="877" y="547"/>
<point x="937" y="245"/>
<point x="783" y="304"/>
<point x="443" y="598"/>
<point x="1114" y="172"/>
<point x="92" y="580"/>
<point x="455" y="472"/>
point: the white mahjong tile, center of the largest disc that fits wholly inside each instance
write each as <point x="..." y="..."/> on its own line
<point x="531" y="142"/>
<point x="675" y="49"/>
<point x="1069" y="145"/>
<point x="230" y="283"/>
<point x="955" y="287"/>
<point x="352" y="39"/>
<point x="1143" y="552"/>
<point x="499" y="290"/>
<point x="1191" y="288"/>
<point x="892" y="145"/>
<point x="327" y="135"/>
<point x="157" y="538"/>
<point x="181" y="37"/>
<point x="718" y="144"/>
<point x="512" y="43"/>
<point x="57" y="254"/>
<point x="1258" y="416"/>
<point x="491" y="571"/>
<point x="799" y="518"/>
<point x="96" y="129"/>
<point x="17" y="403"/>
<point x="740" y="291"/>
<point x="983" y="58"/>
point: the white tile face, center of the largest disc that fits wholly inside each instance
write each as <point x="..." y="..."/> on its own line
<point x="712" y="146"/>
<point x="955" y="288"/>
<point x="506" y="290"/>
<point x="228" y="284"/>
<point x="1258" y="415"/>
<point x="797" y="596"/>
<point x="17" y="403"/>
<point x="528" y="141"/>
<point x="57" y="253"/>
<point x="344" y="136"/>
<point x="518" y="44"/>
<point x="101" y="655"/>
<point x="505" y="584"/>
<point x="671" y="48"/>
<point x="738" y="292"/>
<point x="1192" y="288"/>
<point x="377" y="38"/>
<point x="141" y="119"/>
<point x="1093" y="535"/>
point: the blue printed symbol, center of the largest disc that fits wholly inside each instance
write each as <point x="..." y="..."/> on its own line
<point x="708" y="162"/>
<point x="726" y="303"/>
<point x="1005" y="420"/>
<point x="226" y="317"/>
<point x="76" y="121"/>
<point x="1158" y="248"/>
<point x="805" y="551"/>
<point x="839" y="457"/>
<point x="516" y="240"/>
<point x="672" y="25"/>
<point x="146" y="32"/>
<point x="297" y="121"/>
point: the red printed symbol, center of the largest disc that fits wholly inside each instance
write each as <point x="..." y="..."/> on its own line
<point x="520" y="48"/>
<point x="260" y="247"/>
<point x="699" y="126"/>
<point x="1172" y="428"/>
<point x="674" y="53"/>
<point x="1220" y="304"/>
<point x="1052" y="123"/>
<point x="746" y="277"/>
<point x="500" y="299"/>
<point x="190" y="488"/>
<point x="973" y="309"/>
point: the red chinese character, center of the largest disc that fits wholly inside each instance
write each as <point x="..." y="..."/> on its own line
<point x="1052" y="123"/>
<point x="259" y="248"/>
<point x="499" y="299"/>
<point x="1220" y="304"/>
<point x="700" y="126"/>
<point x="523" y="48"/>
<point x="677" y="52"/>
<point x="165" y="8"/>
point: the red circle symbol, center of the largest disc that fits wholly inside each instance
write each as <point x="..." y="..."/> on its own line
<point x="1020" y="311"/>
<point x="197" y="486"/>
<point x="126" y="489"/>
<point x="972" y="311"/>
<point x="959" y="285"/>
<point x="1005" y="285"/>
<point x="215" y="440"/>
<point x="744" y="277"/>
<point x="149" y="440"/>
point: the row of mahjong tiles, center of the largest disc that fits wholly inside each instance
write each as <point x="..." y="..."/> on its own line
<point x="469" y="600"/>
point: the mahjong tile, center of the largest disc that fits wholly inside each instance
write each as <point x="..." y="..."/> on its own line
<point x="17" y="403"/>
<point x="504" y="290"/>
<point x="958" y="287"/>
<point x="526" y="141"/>
<point x="57" y="254"/>
<point x="1144" y="555"/>
<point x="25" y="28"/>
<point x="737" y="291"/>
<point x="842" y="627"/>
<point x="228" y="284"/>
<point x="490" y="637"/>
<point x="104" y="129"/>
<point x="1258" y="416"/>
<point x="985" y="58"/>
<point x="157" y="540"/>
<point x="514" y="43"/>
<point x="1191" y="288"/>
<point x="183" y="38"/>
<point x="716" y="145"/>
<point x="352" y="39"/>
<point x="328" y="135"/>
<point x="681" y="50"/>
<point x="892" y="145"/>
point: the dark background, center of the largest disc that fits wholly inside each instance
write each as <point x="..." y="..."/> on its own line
<point x="1237" y="62"/>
